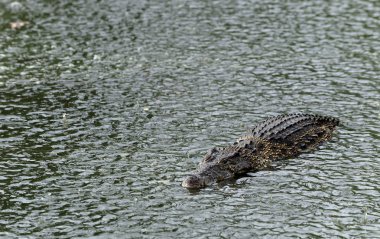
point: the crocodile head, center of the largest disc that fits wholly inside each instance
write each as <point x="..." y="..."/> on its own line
<point x="215" y="166"/>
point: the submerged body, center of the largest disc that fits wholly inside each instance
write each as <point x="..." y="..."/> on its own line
<point x="276" y="138"/>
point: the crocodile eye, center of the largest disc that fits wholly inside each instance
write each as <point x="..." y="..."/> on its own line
<point x="210" y="153"/>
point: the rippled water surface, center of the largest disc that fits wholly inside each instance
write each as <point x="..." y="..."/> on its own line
<point x="106" y="105"/>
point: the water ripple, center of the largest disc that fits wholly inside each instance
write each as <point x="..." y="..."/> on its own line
<point x="105" y="107"/>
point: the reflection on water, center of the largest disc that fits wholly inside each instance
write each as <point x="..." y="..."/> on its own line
<point x="104" y="107"/>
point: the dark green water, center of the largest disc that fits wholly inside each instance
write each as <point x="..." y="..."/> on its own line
<point x="106" y="105"/>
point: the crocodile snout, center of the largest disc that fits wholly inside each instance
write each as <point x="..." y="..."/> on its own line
<point x="193" y="181"/>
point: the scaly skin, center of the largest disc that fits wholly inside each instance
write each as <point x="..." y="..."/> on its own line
<point x="276" y="138"/>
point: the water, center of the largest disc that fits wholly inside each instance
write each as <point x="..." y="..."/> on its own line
<point x="106" y="105"/>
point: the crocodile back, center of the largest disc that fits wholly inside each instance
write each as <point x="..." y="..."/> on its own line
<point x="289" y="135"/>
<point x="288" y="127"/>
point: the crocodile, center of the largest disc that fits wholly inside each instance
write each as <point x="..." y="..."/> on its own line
<point x="276" y="138"/>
